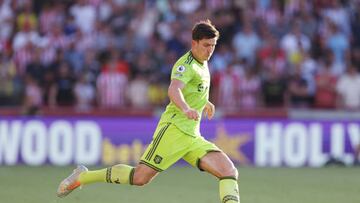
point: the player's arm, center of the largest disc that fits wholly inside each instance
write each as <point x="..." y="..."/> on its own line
<point x="209" y="110"/>
<point x="177" y="98"/>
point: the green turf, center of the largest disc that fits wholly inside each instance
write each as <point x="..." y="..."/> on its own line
<point x="22" y="184"/>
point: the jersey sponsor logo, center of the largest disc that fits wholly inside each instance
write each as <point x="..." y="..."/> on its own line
<point x="201" y="87"/>
<point x="180" y="69"/>
<point x="157" y="159"/>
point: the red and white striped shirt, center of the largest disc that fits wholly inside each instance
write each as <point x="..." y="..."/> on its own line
<point x="22" y="58"/>
<point x="48" y="55"/>
<point x="249" y="89"/>
<point x="47" y="20"/>
<point x="111" y="88"/>
<point x="59" y="41"/>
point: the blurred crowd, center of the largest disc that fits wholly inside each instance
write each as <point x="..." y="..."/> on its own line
<point x="119" y="53"/>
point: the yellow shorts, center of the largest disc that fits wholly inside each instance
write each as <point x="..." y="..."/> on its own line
<point x="170" y="144"/>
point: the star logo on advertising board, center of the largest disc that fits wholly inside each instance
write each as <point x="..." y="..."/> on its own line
<point x="231" y="145"/>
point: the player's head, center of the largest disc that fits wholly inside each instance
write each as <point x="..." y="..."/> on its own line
<point x="204" y="37"/>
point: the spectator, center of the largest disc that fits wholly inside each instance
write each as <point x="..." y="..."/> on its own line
<point x="165" y="65"/>
<point x="308" y="23"/>
<point x="325" y="96"/>
<point x="84" y="93"/>
<point x="338" y="14"/>
<point x="298" y="93"/>
<point x="106" y="10"/>
<point x="337" y="69"/>
<point x="61" y="93"/>
<point x="35" y="69"/>
<point x="175" y="43"/>
<point x="6" y="20"/>
<point x="111" y="85"/>
<point x="355" y="58"/>
<point x="348" y="89"/>
<point x="10" y="85"/>
<point x="338" y="43"/>
<point x="25" y="36"/>
<point x="146" y="37"/>
<point x="85" y="16"/>
<point x="57" y="39"/>
<point x="355" y="26"/>
<point x="157" y="94"/>
<point x="308" y="68"/>
<point x="273" y="89"/>
<point x="249" y="90"/>
<point x="23" y="57"/>
<point x="246" y="43"/>
<point x="294" y="42"/>
<point x="221" y="58"/>
<point x="27" y="18"/>
<point x="70" y="26"/>
<point x="91" y="66"/>
<point x="138" y="92"/>
<point x="228" y="83"/>
<point x="272" y="57"/>
<point x="33" y="96"/>
<point x="47" y="85"/>
<point x="272" y="14"/>
<point x="51" y="16"/>
<point x="74" y="57"/>
<point x="144" y="65"/>
<point x="104" y="37"/>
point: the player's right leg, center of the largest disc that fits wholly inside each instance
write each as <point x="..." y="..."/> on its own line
<point x="154" y="160"/>
<point x="71" y="182"/>
<point x="118" y="174"/>
<point x="169" y="144"/>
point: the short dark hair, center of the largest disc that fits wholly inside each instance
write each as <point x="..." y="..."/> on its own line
<point x="204" y="30"/>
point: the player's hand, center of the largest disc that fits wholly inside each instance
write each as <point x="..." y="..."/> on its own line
<point x="192" y="114"/>
<point x="209" y="110"/>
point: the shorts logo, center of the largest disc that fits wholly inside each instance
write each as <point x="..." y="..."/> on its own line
<point x="180" y="69"/>
<point x="157" y="159"/>
<point x="230" y="198"/>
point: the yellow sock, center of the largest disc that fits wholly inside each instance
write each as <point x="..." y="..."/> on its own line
<point x="119" y="174"/>
<point x="229" y="190"/>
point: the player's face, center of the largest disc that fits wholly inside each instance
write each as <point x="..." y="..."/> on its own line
<point x="203" y="49"/>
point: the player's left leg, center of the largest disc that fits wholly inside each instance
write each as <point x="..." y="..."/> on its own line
<point x="207" y="157"/>
<point x="219" y="165"/>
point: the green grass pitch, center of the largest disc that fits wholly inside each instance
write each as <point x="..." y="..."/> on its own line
<point x="21" y="184"/>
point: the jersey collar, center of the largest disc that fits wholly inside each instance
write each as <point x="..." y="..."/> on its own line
<point x="195" y="59"/>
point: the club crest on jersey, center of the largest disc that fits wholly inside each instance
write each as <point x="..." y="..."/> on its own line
<point x="158" y="159"/>
<point x="180" y="69"/>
